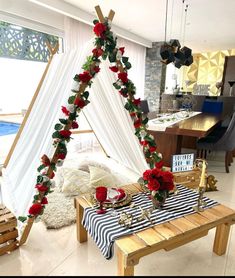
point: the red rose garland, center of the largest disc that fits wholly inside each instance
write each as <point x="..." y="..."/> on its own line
<point x="105" y="46"/>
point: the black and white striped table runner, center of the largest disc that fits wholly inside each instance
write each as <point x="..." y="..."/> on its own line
<point x="104" y="228"/>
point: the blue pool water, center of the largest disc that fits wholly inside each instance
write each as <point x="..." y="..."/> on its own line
<point x="7" y="128"/>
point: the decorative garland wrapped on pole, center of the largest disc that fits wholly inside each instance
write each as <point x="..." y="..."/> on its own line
<point x="105" y="47"/>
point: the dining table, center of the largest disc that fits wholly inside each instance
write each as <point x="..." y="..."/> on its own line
<point x="169" y="130"/>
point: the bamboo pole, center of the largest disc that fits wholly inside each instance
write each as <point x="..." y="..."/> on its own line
<point x="52" y="53"/>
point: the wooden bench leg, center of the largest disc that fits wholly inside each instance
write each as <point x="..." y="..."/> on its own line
<point x="123" y="269"/>
<point x="221" y="239"/>
<point x="81" y="231"/>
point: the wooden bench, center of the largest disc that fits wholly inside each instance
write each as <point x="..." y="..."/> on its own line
<point x="167" y="236"/>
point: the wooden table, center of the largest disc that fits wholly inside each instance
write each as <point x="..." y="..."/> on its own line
<point x="169" y="142"/>
<point x="167" y="236"/>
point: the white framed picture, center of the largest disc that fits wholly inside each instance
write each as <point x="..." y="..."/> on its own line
<point x="182" y="162"/>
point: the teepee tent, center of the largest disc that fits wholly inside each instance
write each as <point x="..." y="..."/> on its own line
<point x="120" y="133"/>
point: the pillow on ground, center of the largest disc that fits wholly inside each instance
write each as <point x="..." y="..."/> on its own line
<point x="75" y="182"/>
<point x="84" y="165"/>
<point x="100" y="177"/>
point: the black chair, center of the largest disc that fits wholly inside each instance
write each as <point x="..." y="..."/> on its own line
<point x="218" y="142"/>
<point x="144" y="106"/>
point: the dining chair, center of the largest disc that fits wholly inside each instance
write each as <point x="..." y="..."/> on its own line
<point x="211" y="106"/>
<point x="224" y="142"/>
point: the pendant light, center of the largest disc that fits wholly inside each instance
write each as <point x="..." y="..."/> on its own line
<point x="172" y="51"/>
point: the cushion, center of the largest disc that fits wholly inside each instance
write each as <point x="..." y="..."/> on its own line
<point x="84" y="165"/>
<point x="75" y="182"/>
<point x="100" y="177"/>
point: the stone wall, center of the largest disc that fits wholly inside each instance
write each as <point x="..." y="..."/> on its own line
<point x="155" y="74"/>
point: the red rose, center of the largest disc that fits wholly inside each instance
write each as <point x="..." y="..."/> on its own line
<point x="85" y="76"/>
<point x="74" y="125"/>
<point x="45" y="160"/>
<point x="132" y="114"/>
<point x="167" y="186"/>
<point x="97" y="52"/>
<point x="96" y="69"/>
<point x="137" y="101"/>
<point x="79" y="102"/>
<point x="146" y="174"/>
<point x="99" y="29"/>
<point x="153" y="185"/>
<point x="114" y="69"/>
<point x="41" y="187"/>
<point x="61" y="155"/>
<point x="156" y="173"/>
<point x="123" y="93"/>
<point x="65" y="133"/>
<point x="167" y="176"/>
<point x="65" y="110"/>
<point x="123" y="77"/>
<point x="137" y="123"/>
<point x="44" y="201"/>
<point x="152" y="149"/>
<point x="35" y="209"/>
<point x="159" y="164"/>
<point x="122" y="50"/>
<point x="144" y="143"/>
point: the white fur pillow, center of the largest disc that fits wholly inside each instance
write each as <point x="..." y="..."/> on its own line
<point x="99" y="177"/>
<point x="84" y="165"/>
<point x="75" y="182"/>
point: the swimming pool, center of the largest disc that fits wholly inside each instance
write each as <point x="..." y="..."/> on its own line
<point x="7" y="128"/>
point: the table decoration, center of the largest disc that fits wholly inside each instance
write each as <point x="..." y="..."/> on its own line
<point x="123" y="199"/>
<point x="202" y="186"/>
<point x="159" y="182"/>
<point x="101" y="196"/>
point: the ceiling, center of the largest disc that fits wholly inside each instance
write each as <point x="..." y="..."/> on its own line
<point x="209" y="24"/>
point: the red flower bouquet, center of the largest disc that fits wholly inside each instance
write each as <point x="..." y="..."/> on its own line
<point x="159" y="183"/>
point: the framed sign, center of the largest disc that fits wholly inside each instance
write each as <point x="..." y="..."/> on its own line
<point x="182" y="162"/>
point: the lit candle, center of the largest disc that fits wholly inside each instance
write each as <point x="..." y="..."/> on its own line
<point x="202" y="180"/>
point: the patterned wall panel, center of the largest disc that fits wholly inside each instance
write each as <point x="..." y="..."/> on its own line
<point x="25" y="44"/>
<point x="207" y="68"/>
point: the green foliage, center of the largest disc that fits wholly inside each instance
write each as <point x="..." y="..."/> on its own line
<point x="145" y="121"/>
<point x="116" y="86"/>
<point x="63" y="121"/>
<point x="85" y="94"/>
<point x="22" y="218"/>
<point x="41" y="167"/>
<point x="112" y="57"/>
<point x="39" y="179"/>
<point x="71" y="99"/>
<point x="88" y="63"/>
<point x="125" y="59"/>
<point x="72" y="116"/>
<point x="128" y="65"/>
<point x="56" y="134"/>
<point x="58" y="127"/>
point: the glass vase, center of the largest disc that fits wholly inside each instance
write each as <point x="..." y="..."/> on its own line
<point x="160" y="201"/>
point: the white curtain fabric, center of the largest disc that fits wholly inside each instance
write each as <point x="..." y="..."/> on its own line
<point x="20" y="175"/>
<point x="105" y="113"/>
<point x="112" y="123"/>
